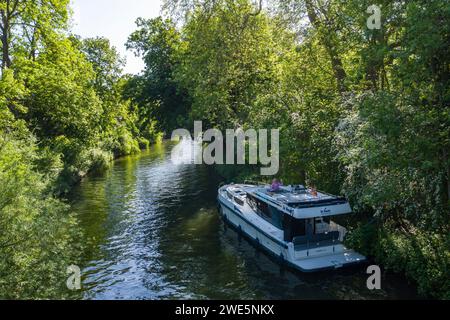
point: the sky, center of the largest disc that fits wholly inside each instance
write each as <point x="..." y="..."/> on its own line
<point x="115" y="20"/>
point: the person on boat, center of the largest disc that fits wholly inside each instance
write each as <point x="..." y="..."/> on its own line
<point x="276" y="184"/>
<point x="313" y="191"/>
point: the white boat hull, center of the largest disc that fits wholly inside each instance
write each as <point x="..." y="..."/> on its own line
<point x="311" y="260"/>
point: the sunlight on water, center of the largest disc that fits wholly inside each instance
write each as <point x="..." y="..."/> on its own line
<point x="186" y="151"/>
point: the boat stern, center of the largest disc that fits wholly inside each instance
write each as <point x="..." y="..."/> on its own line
<point x="331" y="261"/>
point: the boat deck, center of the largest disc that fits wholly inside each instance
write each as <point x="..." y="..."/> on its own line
<point x="286" y="195"/>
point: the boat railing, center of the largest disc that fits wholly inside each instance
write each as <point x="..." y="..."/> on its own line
<point x="338" y="228"/>
<point x="315" y="241"/>
<point x="258" y="183"/>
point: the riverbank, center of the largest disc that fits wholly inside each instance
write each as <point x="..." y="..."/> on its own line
<point x="101" y="162"/>
<point x="422" y="257"/>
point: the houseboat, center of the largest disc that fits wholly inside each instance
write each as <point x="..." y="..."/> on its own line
<point x="292" y="223"/>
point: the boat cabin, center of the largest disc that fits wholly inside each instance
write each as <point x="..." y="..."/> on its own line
<point x="305" y="217"/>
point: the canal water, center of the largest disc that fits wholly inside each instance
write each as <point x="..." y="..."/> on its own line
<point x="151" y="231"/>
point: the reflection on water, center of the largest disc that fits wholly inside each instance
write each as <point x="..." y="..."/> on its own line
<point x="152" y="231"/>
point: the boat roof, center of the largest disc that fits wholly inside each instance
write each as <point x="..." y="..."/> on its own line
<point x="288" y="196"/>
<point x="297" y="200"/>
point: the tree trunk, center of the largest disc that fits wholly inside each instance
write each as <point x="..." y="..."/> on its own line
<point x="33" y="45"/>
<point x="303" y="176"/>
<point x="336" y="62"/>
<point x="6" y="62"/>
<point x="446" y="182"/>
<point x="338" y="68"/>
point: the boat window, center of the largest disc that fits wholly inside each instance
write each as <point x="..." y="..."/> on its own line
<point x="252" y="203"/>
<point x="293" y="228"/>
<point x="263" y="210"/>
<point x="298" y="227"/>
<point x="239" y="201"/>
<point x="276" y="217"/>
<point x="310" y="226"/>
<point x="317" y="203"/>
<point x="322" y="225"/>
<point x="268" y="213"/>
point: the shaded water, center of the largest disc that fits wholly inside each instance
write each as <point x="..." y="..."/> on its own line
<point x="151" y="231"/>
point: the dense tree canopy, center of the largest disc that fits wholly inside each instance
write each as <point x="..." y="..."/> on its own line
<point x="155" y="92"/>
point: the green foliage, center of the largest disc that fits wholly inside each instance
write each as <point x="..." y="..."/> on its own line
<point x="127" y="144"/>
<point x="155" y="91"/>
<point x="119" y="122"/>
<point x="26" y="26"/>
<point x="421" y="256"/>
<point x="229" y="59"/>
<point x="106" y="62"/>
<point x="35" y="229"/>
<point x="144" y="144"/>
<point x="61" y="101"/>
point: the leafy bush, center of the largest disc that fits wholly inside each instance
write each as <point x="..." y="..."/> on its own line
<point x="35" y="228"/>
<point x="143" y="143"/>
<point x="99" y="160"/>
<point x="127" y="145"/>
<point x="422" y="257"/>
